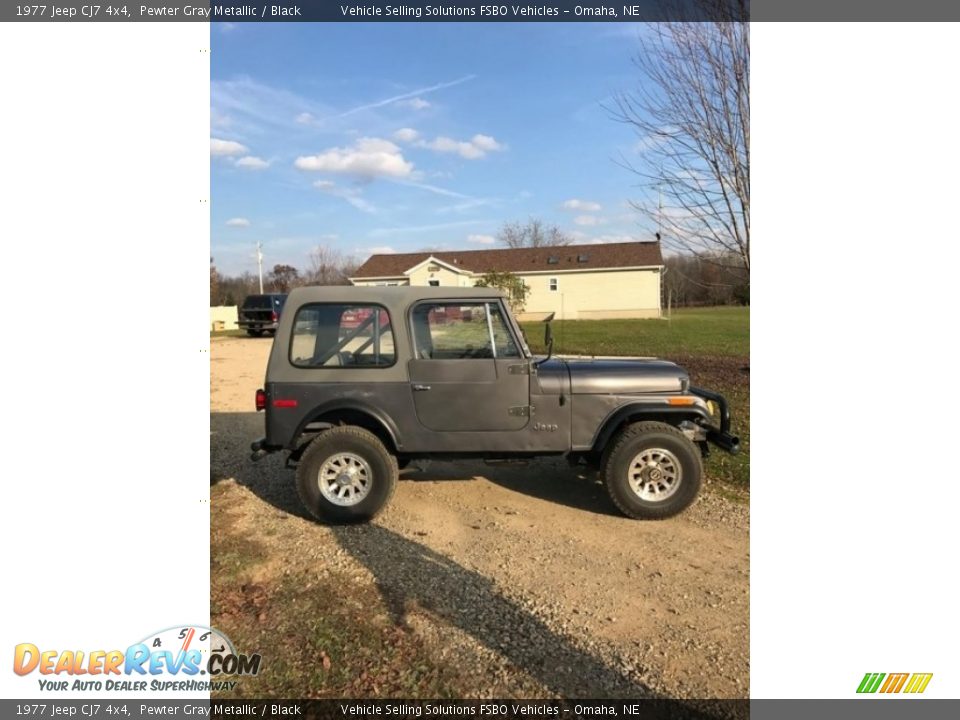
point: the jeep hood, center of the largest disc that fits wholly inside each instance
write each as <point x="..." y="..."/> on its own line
<point x="622" y="376"/>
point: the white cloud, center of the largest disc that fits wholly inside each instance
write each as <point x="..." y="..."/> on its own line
<point x="238" y="222"/>
<point x="407" y="135"/>
<point x="366" y="159"/>
<point x="351" y="195"/>
<point x="582" y="205"/>
<point x="481" y="239"/>
<point x="304" y="118"/>
<point x="475" y="147"/>
<point x="226" y="148"/>
<point x="252" y="162"/>
<point x="485" y="142"/>
<point x="588" y="220"/>
<point x="415" y="103"/>
<point x="382" y="250"/>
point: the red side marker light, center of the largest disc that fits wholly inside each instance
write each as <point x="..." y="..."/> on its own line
<point x="281" y="403"/>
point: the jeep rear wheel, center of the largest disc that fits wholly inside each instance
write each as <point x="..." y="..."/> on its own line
<point x="346" y="474"/>
<point x="652" y="471"/>
<point x="254" y="333"/>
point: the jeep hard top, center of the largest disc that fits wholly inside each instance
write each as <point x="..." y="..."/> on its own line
<point x="363" y="380"/>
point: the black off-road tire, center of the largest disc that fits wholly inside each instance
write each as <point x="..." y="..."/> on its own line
<point x="359" y="443"/>
<point x="652" y="436"/>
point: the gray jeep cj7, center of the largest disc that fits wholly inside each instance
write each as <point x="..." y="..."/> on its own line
<point x="363" y="380"/>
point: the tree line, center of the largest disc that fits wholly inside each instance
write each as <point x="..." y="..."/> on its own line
<point x="325" y="266"/>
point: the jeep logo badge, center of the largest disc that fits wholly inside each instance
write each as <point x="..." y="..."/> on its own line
<point x="545" y="427"/>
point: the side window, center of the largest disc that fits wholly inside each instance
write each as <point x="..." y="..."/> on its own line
<point x="338" y="335"/>
<point x="451" y="331"/>
<point x="553" y="284"/>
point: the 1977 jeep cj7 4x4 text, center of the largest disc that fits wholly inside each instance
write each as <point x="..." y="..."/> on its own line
<point x="363" y="380"/>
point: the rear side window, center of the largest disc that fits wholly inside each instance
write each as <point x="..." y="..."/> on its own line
<point x="333" y="335"/>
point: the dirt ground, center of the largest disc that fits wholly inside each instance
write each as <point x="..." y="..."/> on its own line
<point x="525" y="573"/>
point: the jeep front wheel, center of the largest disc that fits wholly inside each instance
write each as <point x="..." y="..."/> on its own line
<point x="346" y="474"/>
<point x="652" y="471"/>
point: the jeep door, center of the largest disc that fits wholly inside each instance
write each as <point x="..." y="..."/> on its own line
<point x="467" y="373"/>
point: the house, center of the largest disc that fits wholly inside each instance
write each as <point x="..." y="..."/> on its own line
<point x="613" y="280"/>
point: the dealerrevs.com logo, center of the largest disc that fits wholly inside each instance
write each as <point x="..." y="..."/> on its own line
<point x="182" y="658"/>
<point x="910" y="683"/>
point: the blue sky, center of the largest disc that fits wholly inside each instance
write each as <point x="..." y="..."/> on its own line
<point x="403" y="136"/>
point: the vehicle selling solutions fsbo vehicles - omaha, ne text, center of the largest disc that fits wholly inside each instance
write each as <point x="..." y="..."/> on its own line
<point x="363" y="380"/>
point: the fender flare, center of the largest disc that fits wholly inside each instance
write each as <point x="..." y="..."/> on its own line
<point x="339" y="405"/>
<point x="641" y="411"/>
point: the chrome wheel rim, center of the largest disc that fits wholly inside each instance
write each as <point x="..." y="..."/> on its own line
<point x="345" y="479"/>
<point x="654" y="474"/>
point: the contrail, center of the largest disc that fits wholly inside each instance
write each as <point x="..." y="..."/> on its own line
<point x="406" y="96"/>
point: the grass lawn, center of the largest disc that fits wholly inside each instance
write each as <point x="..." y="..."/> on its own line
<point x="694" y="331"/>
<point x="712" y="344"/>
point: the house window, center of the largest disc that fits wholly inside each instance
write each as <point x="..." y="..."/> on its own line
<point x="553" y="260"/>
<point x="583" y="258"/>
<point x="554" y="284"/>
<point x="434" y="283"/>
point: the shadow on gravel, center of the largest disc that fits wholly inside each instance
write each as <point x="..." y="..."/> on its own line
<point x="409" y="574"/>
<point x="550" y="480"/>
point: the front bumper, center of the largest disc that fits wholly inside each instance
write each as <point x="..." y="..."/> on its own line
<point x="720" y="436"/>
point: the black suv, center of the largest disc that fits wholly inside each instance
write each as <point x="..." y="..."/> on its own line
<point x="261" y="313"/>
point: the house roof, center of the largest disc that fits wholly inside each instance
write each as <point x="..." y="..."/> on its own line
<point x="519" y="260"/>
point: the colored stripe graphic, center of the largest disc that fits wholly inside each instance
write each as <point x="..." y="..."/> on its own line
<point x="918" y="682"/>
<point x="894" y="682"/>
<point x="870" y="682"/>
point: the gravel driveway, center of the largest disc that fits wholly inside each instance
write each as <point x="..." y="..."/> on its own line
<point x="524" y="574"/>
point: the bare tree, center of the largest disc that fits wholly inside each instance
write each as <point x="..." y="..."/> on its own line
<point x="284" y="278"/>
<point x="214" y="284"/>
<point x="533" y="233"/>
<point x="329" y="266"/>
<point x="692" y="114"/>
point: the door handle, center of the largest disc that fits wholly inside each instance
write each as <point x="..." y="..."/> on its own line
<point x="421" y="388"/>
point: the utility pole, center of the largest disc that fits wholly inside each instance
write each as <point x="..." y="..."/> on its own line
<point x="660" y="205"/>
<point x="260" y="264"/>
